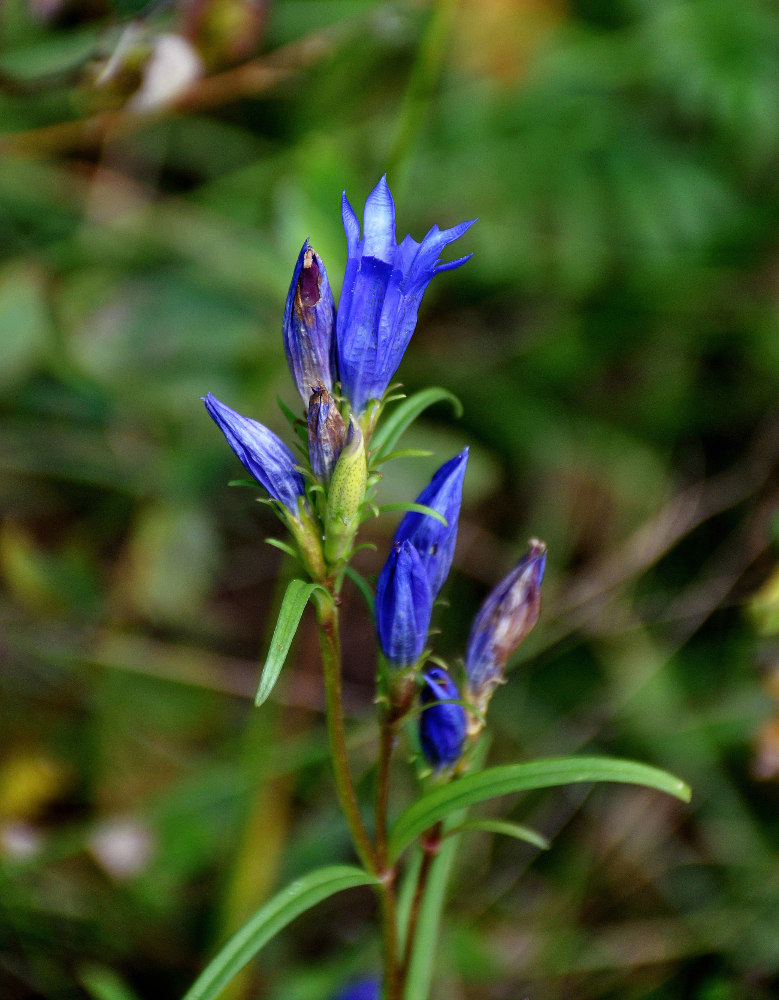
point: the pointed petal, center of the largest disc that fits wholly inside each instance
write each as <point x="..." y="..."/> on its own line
<point x="435" y="542"/>
<point x="379" y="224"/>
<point x="351" y="226"/>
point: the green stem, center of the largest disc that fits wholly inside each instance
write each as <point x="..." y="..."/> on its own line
<point x="330" y="644"/>
<point x="430" y="843"/>
<point x="373" y="859"/>
<point x="386" y="743"/>
<point x="393" y="985"/>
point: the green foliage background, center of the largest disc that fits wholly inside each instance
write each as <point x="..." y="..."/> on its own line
<point x="614" y="342"/>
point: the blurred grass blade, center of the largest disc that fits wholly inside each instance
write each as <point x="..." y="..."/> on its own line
<point x="103" y="983"/>
<point x="298" y="897"/>
<point x="495" y="781"/>
<point x="295" y="600"/>
<point x="401" y="418"/>
<point x="424" y="947"/>
<point x="516" y="830"/>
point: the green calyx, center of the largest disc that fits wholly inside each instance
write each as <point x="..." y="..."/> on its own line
<point x="345" y="496"/>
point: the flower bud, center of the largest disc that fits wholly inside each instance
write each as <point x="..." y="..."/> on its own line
<point x="345" y="495"/>
<point x="442" y="728"/>
<point x="326" y="433"/>
<point x="309" y="324"/>
<point x="404" y="604"/>
<point x="263" y="454"/>
<point x="365" y="989"/>
<point x="434" y="541"/>
<point x="503" y="622"/>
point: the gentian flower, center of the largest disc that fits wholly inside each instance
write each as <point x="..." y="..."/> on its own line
<point x="383" y="286"/>
<point x="326" y="433"/>
<point x="263" y="455"/>
<point x="365" y="989"/>
<point x="434" y="541"/>
<point x="404" y="604"/>
<point x="309" y="324"/>
<point x="503" y="622"/>
<point x="442" y="728"/>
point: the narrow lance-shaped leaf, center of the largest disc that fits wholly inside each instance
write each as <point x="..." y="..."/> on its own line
<point x="516" y="830"/>
<point x="418" y="508"/>
<point x="392" y="428"/>
<point x="503" y="780"/>
<point x="274" y="916"/>
<point x="295" y="599"/>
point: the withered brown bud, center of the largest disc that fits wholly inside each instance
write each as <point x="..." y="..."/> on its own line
<point x="326" y="433"/>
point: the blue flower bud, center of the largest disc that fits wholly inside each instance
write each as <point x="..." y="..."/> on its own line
<point x="365" y="989"/>
<point x="263" y="455"/>
<point x="309" y="324"/>
<point x="383" y="285"/>
<point x="404" y="604"/>
<point x="434" y="541"/>
<point x="503" y="622"/>
<point x="326" y="433"/>
<point x="442" y="728"/>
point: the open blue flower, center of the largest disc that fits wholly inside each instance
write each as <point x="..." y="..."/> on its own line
<point x="309" y="324"/>
<point x="383" y="286"/>
<point x="434" y="541"/>
<point x="442" y="728"/>
<point x="404" y="604"/>
<point x="264" y="455"/>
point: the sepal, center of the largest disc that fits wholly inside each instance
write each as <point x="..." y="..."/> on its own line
<point x="346" y="495"/>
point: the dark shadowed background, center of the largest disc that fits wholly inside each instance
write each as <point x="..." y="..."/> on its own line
<point x="614" y="343"/>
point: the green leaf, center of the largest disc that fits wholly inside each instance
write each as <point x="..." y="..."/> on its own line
<point x="516" y="830"/>
<point x="401" y="418"/>
<point x="295" y="600"/>
<point x="362" y="585"/>
<point x="403" y="453"/>
<point x="298" y="897"/>
<point x="244" y="482"/>
<point x="420" y="508"/>
<point x="291" y="416"/>
<point x="502" y="780"/>
<point x="278" y="544"/>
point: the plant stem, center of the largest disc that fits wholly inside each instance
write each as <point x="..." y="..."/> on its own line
<point x="392" y="979"/>
<point x="373" y="857"/>
<point x="330" y="644"/>
<point x="386" y="743"/>
<point x="430" y="843"/>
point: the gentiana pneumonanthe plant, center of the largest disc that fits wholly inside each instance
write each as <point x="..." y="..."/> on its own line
<point x="345" y="431"/>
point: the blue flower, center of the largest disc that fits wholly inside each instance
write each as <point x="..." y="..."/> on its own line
<point x="433" y="541"/>
<point x="365" y="989"/>
<point x="442" y="728"/>
<point x="503" y="622"/>
<point x="383" y="286"/>
<point x="264" y="455"/>
<point x="404" y="604"/>
<point x="309" y="324"/>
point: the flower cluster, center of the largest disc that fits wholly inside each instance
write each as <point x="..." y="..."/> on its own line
<point x="342" y="362"/>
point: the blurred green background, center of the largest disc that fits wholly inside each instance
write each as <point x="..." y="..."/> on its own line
<point x="614" y="343"/>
